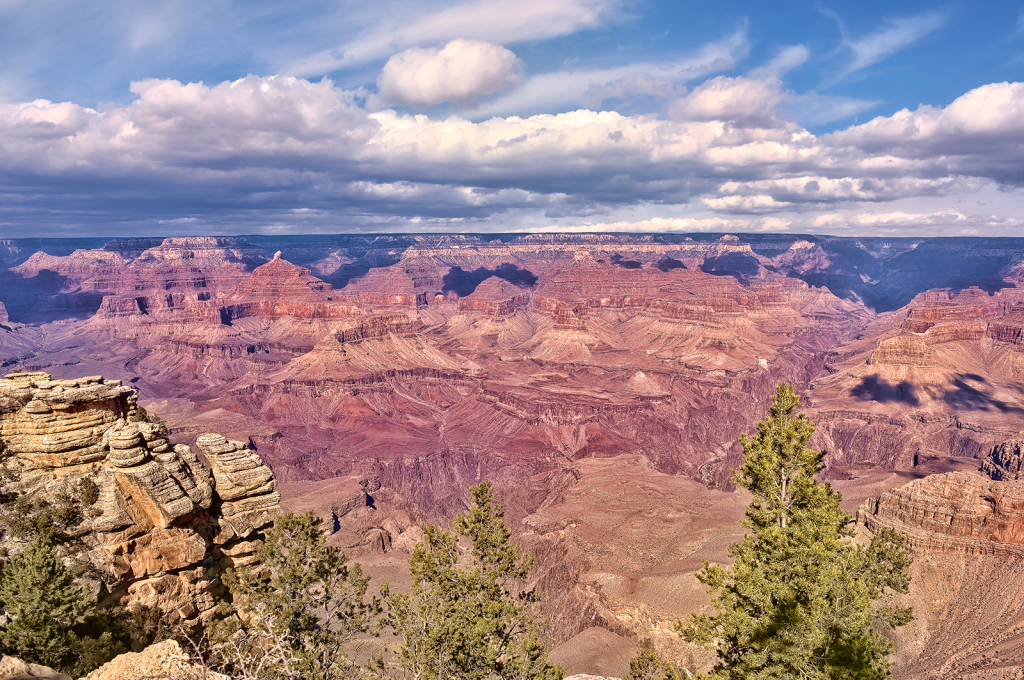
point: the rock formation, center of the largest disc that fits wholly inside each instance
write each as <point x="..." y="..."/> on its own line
<point x="163" y="660"/>
<point x="1005" y="462"/>
<point x="280" y="288"/>
<point x="359" y="514"/>
<point x="953" y="512"/>
<point x="967" y="535"/>
<point x="13" y="668"/>
<point x="166" y="275"/>
<point x="162" y="525"/>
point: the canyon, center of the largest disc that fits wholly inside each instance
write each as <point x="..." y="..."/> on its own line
<point x="600" y="381"/>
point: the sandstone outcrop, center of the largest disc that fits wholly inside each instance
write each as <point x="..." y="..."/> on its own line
<point x="13" y="668"/>
<point x="246" y="489"/>
<point x="162" y="525"/>
<point x="163" y="660"/>
<point x="953" y="512"/>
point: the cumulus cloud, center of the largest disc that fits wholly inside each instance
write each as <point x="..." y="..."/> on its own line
<point x="285" y="150"/>
<point x="495" y="21"/>
<point x="462" y="71"/>
<point x="740" y="100"/>
<point x="981" y="133"/>
<point x="813" y="191"/>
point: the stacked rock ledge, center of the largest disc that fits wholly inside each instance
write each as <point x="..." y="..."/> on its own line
<point x="163" y="525"/>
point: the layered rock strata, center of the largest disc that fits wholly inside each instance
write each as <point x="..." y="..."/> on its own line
<point x="959" y="512"/>
<point x="167" y="275"/>
<point x="966" y="533"/>
<point x="161" y="526"/>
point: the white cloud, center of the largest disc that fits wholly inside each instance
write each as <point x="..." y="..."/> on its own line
<point x="462" y="71"/>
<point x="259" y="148"/>
<point x="678" y="224"/>
<point x="496" y="21"/>
<point x="569" y="89"/>
<point x="885" y="42"/>
<point x="981" y="133"/>
<point x="741" y="100"/>
<point x="891" y="220"/>
<point x="816" y="190"/>
<point x="787" y="59"/>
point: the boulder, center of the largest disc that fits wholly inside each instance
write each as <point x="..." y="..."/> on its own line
<point x="13" y="668"/>
<point x="163" y="660"/>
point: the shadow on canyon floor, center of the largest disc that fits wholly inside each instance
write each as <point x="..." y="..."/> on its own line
<point x="873" y="389"/>
<point x="464" y="283"/>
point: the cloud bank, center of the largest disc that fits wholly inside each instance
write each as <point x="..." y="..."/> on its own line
<point x="280" y="153"/>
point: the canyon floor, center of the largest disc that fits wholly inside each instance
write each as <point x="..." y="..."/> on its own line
<point x="600" y="381"/>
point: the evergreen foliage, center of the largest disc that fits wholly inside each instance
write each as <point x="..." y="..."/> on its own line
<point x="799" y="601"/>
<point x="296" y="609"/>
<point x="469" y="616"/>
<point x="647" y="666"/>
<point x="50" y="618"/>
<point x="54" y="515"/>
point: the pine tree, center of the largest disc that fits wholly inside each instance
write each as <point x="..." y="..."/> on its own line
<point x="646" y="665"/>
<point x="298" y="607"/>
<point x="44" y="606"/>
<point x="469" y="616"/>
<point x="800" y="599"/>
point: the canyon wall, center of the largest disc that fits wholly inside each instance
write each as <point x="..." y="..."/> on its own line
<point x="966" y="532"/>
<point x="420" y="359"/>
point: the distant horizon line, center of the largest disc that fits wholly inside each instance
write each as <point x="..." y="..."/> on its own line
<point x="511" y="235"/>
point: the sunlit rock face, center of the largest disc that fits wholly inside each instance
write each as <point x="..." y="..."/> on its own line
<point x="161" y="525"/>
<point x="1005" y="462"/>
<point x="158" y="274"/>
<point x="966" y="533"/>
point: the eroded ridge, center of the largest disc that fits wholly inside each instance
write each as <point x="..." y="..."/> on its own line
<point x="966" y="530"/>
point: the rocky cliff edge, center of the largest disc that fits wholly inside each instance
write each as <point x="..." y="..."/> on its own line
<point x="162" y="525"/>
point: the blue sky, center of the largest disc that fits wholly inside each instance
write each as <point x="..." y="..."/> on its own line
<point x="264" y="117"/>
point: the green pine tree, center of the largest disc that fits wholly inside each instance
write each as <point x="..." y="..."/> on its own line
<point x="800" y="601"/>
<point x="44" y="606"/>
<point x="469" y="616"/>
<point x="646" y="665"/>
<point x="297" y="608"/>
